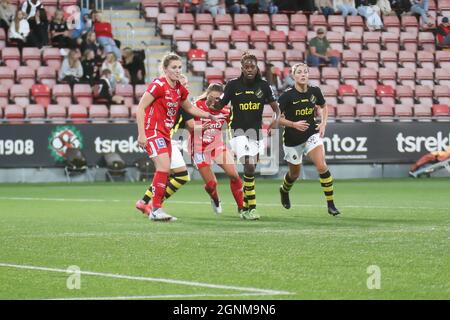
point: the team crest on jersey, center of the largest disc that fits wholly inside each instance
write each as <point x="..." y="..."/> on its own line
<point x="259" y="94"/>
<point x="160" y="143"/>
<point x="313" y="99"/>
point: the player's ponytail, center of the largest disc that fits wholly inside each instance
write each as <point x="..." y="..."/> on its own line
<point x="212" y="87"/>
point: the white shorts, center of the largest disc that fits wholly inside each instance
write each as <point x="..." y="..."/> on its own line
<point x="243" y="146"/>
<point x="177" y="160"/>
<point x="294" y="155"/>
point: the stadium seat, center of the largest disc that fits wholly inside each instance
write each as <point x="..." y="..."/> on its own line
<point x="259" y="40"/>
<point x="351" y="59"/>
<point x="35" y="113"/>
<point x="330" y="75"/>
<point x="353" y="41"/>
<point x="442" y="94"/>
<point x="408" y="40"/>
<point x="243" y="22"/>
<point x="336" y="23"/>
<point x="125" y="91"/>
<point x="441" y="110"/>
<point x="372" y="40"/>
<point x="336" y="40"/>
<point x="384" y="112"/>
<point x="186" y="22"/>
<point x="404" y="94"/>
<point x="260" y="56"/>
<point x="328" y="90"/>
<point x="2" y="38"/>
<point x="133" y="109"/>
<point x="403" y="111"/>
<point x="98" y="113"/>
<point x="314" y="76"/>
<point x="25" y="76"/>
<point x="170" y="6"/>
<point x="11" y="57"/>
<point x="204" y="21"/>
<point x="52" y="58"/>
<point x="221" y="39"/>
<point x="213" y="75"/>
<point x="224" y="22"/>
<point x="299" y="22"/>
<point x="119" y="113"/>
<point x="151" y="8"/>
<point x="197" y="58"/>
<point x="366" y="94"/>
<point x="422" y="111"/>
<point x="370" y="59"/>
<point x="240" y="39"/>
<point x="425" y="77"/>
<point x="182" y="41"/>
<point x="4" y="94"/>
<point x="427" y="41"/>
<point x="424" y="94"/>
<point x="31" y="57"/>
<point x="385" y="91"/>
<point x="365" y="112"/>
<point x="14" y="113"/>
<point x="234" y="57"/>
<point x="406" y="77"/>
<point x="166" y="23"/>
<point x="56" y="113"/>
<point x="409" y="23"/>
<point x="202" y="39"/>
<point x="261" y="22"/>
<point x="350" y="76"/>
<point x="78" y="113"/>
<point x="407" y="59"/>
<point x="296" y="40"/>
<point x="217" y="58"/>
<point x="46" y="75"/>
<point x="389" y="59"/>
<point x="276" y="58"/>
<point x="345" y="112"/>
<point x="294" y="56"/>
<point x="426" y="59"/>
<point x="20" y="94"/>
<point x="41" y="94"/>
<point x="231" y="73"/>
<point x="442" y="76"/>
<point x="441" y="56"/>
<point x="387" y="76"/>
<point x="278" y="40"/>
<point x="347" y="94"/>
<point x="355" y="24"/>
<point x="6" y="76"/>
<point x="280" y="22"/>
<point x="317" y="21"/>
<point x="392" y="24"/>
<point x="62" y="94"/>
<point x="82" y="94"/>
<point x="369" y="77"/>
<point x="390" y="41"/>
<point x="139" y="91"/>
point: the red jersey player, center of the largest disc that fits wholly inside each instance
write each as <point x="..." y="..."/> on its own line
<point x="155" y="116"/>
<point x="207" y="146"/>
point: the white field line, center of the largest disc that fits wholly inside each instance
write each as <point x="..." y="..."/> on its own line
<point x="167" y="296"/>
<point x="208" y="203"/>
<point x="149" y="279"/>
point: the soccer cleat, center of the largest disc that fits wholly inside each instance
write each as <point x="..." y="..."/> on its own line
<point x="333" y="210"/>
<point x="285" y="199"/>
<point x="216" y="208"/>
<point x="249" y="215"/>
<point x="145" y="208"/>
<point x="160" y="215"/>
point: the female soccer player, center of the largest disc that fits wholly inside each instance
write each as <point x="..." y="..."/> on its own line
<point x="207" y="146"/>
<point x="155" y="117"/>
<point x="247" y="95"/>
<point x="302" y="136"/>
<point x="179" y="173"/>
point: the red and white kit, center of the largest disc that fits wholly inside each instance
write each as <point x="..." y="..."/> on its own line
<point x="208" y="143"/>
<point x="160" y="116"/>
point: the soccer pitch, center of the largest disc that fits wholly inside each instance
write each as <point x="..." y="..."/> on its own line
<point x="392" y="241"/>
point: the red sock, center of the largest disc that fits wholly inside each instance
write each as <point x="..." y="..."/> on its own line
<point x="236" y="189"/>
<point x="211" y="188"/>
<point x="159" y="188"/>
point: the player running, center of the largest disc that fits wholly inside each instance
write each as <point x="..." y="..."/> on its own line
<point x="155" y="116"/>
<point x="207" y="146"/>
<point x="302" y="135"/>
<point x="247" y="95"/>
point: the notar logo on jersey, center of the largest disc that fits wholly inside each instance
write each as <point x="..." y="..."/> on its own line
<point x="63" y="138"/>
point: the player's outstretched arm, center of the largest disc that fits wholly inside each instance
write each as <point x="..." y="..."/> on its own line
<point x="196" y="112"/>
<point x="145" y="101"/>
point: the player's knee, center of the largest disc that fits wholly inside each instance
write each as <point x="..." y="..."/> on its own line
<point x="294" y="175"/>
<point x="249" y="170"/>
<point x="322" y="168"/>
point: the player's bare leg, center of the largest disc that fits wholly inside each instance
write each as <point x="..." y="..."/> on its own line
<point x="317" y="156"/>
<point x="288" y="182"/>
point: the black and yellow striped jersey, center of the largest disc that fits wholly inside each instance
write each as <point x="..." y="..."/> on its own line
<point x="247" y="103"/>
<point x="180" y="122"/>
<point x="296" y="106"/>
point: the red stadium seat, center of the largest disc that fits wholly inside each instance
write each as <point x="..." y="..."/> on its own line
<point x="98" y="113"/>
<point x="369" y="77"/>
<point x="261" y="22"/>
<point x="259" y="40"/>
<point x="372" y="40"/>
<point x="427" y="41"/>
<point x="231" y="73"/>
<point x="197" y="57"/>
<point x="330" y="75"/>
<point x="424" y="94"/>
<point x="370" y="59"/>
<point x="47" y="76"/>
<point x="426" y="59"/>
<point x="14" y="113"/>
<point x="35" y="113"/>
<point x="299" y="22"/>
<point x="387" y="76"/>
<point x="345" y="112"/>
<point x="82" y="94"/>
<point x="384" y="112"/>
<point x="407" y="59"/>
<point x="336" y="40"/>
<point x="32" y="57"/>
<point x="41" y="94"/>
<point x="425" y="76"/>
<point x="406" y="77"/>
<point x="405" y="94"/>
<point x="422" y="111"/>
<point x="170" y="6"/>
<point x="234" y="57"/>
<point x="276" y="58"/>
<point x="314" y="76"/>
<point x="391" y="41"/>
<point x="385" y="91"/>
<point x="297" y="40"/>
<point x="213" y="75"/>
<point x="294" y="56"/>
<point x="78" y="113"/>
<point x="409" y="23"/>
<point x="52" y="57"/>
<point x="20" y="94"/>
<point x="442" y="93"/>
<point x="366" y="94"/>
<point x="403" y="111"/>
<point x="6" y="76"/>
<point x="351" y="58"/>
<point x="317" y="21"/>
<point x="182" y="41"/>
<point x="346" y="90"/>
<point x="365" y="112"/>
<point x="125" y="91"/>
<point x="151" y="8"/>
<point x="56" y="112"/>
<point x="221" y="39"/>
<point x="409" y="41"/>
<point x="25" y="75"/>
<point x="217" y="58"/>
<point x="224" y="22"/>
<point x="278" y="40"/>
<point x="281" y="23"/>
<point x="441" y="56"/>
<point x="243" y="22"/>
<point x="240" y="39"/>
<point x="204" y="21"/>
<point x="119" y="112"/>
<point x="202" y="39"/>
<point x="328" y="90"/>
<point x="353" y="41"/>
<point x="166" y="23"/>
<point x="337" y="23"/>
<point x="392" y="24"/>
<point x="11" y="57"/>
<point x="355" y="24"/>
<point x="350" y="76"/>
<point x="441" y="110"/>
<point x="389" y="59"/>
<point x="186" y="22"/>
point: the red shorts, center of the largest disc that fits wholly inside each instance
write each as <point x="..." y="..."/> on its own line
<point x="205" y="158"/>
<point x="157" y="144"/>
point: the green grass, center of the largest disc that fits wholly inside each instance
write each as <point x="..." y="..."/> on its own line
<point x="401" y="226"/>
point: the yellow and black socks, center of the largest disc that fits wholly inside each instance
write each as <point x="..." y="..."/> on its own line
<point x="326" y="180"/>
<point x="177" y="180"/>
<point x="249" y="192"/>
<point x="288" y="182"/>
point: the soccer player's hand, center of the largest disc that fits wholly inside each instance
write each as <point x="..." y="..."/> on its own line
<point x="301" y="125"/>
<point x="142" y="141"/>
<point x="321" y="128"/>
